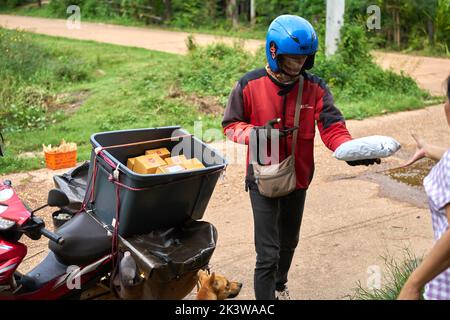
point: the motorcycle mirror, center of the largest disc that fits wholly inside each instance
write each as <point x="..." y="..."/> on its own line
<point x="57" y="198"/>
<point x="2" y="145"/>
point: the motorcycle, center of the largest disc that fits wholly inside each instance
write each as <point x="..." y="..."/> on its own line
<point x="82" y="251"/>
<point x="83" y="259"/>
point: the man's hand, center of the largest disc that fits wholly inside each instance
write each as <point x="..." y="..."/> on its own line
<point x="268" y="131"/>
<point x="271" y="131"/>
<point x="366" y="162"/>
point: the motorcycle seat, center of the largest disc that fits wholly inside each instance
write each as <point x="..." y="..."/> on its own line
<point x="85" y="241"/>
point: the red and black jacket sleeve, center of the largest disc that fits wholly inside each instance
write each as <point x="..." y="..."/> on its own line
<point x="330" y="121"/>
<point x="236" y="121"/>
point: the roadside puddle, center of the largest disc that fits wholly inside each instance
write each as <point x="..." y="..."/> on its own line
<point x="413" y="175"/>
<point x="400" y="184"/>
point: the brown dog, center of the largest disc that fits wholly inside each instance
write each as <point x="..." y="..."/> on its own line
<point x="216" y="287"/>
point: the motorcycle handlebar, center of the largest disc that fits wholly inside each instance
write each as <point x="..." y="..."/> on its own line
<point x="52" y="236"/>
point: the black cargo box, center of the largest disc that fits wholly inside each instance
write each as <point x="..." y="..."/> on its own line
<point x="162" y="200"/>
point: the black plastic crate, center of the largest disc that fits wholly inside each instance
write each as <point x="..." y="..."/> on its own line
<point x="167" y="199"/>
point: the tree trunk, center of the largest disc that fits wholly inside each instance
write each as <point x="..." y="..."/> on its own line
<point x="232" y="12"/>
<point x="397" y="22"/>
<point x="396" y="26"/>
<point x="212" y="9"/>
<point x="167" y="10"/>
<point x="40" y="3"/>
<point x="430" y="29"/>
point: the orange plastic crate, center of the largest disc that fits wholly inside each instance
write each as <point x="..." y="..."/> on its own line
<point x="61" y="160"/>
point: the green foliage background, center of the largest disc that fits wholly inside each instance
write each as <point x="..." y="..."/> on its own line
<point x="424" y="24"/>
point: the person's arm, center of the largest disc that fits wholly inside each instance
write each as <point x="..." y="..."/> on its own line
<point x="235" y="121"/>
<point x="437" y="261"/>
<point x="425" y="150"/>
<point x="330" y="120"/>
<point x="434" y="152"/>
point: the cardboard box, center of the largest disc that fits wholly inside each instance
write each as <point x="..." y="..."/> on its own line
<point x="130" y="163"/>
<point x="170" y="168"/>
<point x="162" y="152"/>
<point x="192" y="164"/>
<point x="176" y="160"/>
<point x="148" y="164"/>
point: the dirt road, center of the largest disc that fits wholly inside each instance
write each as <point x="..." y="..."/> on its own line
<point x="429" y="73"/>
<point x="154" y="39"/>
<point x="349" y="222"/>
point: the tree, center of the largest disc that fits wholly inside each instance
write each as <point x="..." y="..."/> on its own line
<point x="232" y="12"/>
<point x="167" y="10"/>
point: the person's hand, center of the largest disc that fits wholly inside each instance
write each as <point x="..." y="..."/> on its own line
<point x="365" y="162"/>
<point x="420" y="151"/>
<point x="273" y="132"/>
<point x="409" y="292"/>
<point x="269" y="131"/>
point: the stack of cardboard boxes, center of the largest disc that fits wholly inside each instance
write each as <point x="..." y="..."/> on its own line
<point x="159" y="161"/>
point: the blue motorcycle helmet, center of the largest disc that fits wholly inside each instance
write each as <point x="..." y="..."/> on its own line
<point x="290" y="35"/>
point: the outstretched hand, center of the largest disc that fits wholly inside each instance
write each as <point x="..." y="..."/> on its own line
<point x="419" y="154"/>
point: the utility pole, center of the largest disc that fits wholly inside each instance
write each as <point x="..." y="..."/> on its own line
<point x="335" y="20"/>
<point x="252" y="12"/>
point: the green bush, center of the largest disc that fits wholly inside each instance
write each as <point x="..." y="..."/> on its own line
<point x="12" y="3"/>
<point x="189" y="13"/>
<point x="88" y="8"/>
<point x="214" y="69"/>
<point x="351" y="74"/>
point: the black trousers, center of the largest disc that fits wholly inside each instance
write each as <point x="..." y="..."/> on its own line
<point x="277" y="228"/>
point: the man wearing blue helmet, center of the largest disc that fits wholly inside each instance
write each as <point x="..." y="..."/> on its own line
<point x="266" y="99"/>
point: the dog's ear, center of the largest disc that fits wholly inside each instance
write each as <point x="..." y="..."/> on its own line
<point x="212" y="278"/>
<point x="213" y="282"/>
<point x="202" y="275"/>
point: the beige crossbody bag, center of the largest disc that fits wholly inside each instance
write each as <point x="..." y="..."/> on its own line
<point x="279" y="179"/>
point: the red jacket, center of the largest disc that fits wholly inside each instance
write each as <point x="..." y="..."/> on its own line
<point x="257" y="98"/>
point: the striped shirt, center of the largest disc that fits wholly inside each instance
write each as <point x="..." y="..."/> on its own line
<point x="437" y="187"/>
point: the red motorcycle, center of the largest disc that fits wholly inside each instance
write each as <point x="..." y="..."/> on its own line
<point x="79" y="257"/>
<point x="68" y="270"/>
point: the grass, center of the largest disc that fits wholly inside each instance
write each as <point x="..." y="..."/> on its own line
<point x="394" y="277"/>
<point x="81" y="87"/>
<point x="126" y="88"/>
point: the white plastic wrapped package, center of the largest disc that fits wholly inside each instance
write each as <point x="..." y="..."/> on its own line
<point x="371" y="147"/>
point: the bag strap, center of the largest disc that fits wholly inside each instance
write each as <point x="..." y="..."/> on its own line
<point x="298" y="107"/>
